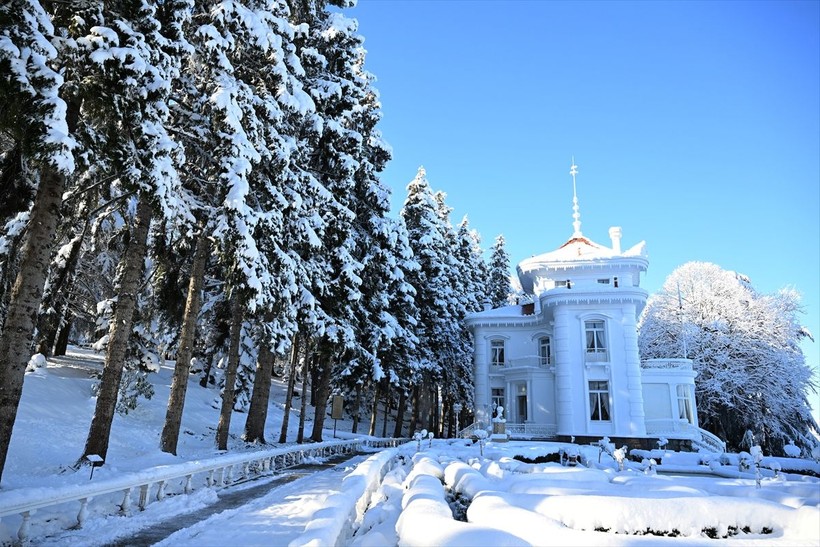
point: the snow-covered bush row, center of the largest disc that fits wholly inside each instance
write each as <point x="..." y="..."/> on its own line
<point x="630" y="515"/>
<point x="526" y="503"/>
<point x="333" y="524"/>
<point x="426" y="518"/>
<point x="378" y="525"/>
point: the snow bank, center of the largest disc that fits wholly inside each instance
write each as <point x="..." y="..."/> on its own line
<point x="333" y="524"/>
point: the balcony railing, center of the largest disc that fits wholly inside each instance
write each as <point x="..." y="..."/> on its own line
<point x="599" y="356"/>
<point x="668" y="364"/>
<point x="532" y="431"/>
<point x="531" y="361"/>
<point x="516" y="431"/>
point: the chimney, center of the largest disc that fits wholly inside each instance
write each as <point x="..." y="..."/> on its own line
<point x="487" y="305"/>
<point x="615" y="236"/>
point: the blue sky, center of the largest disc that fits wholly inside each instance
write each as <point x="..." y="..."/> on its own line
<point x="695" y="126"/>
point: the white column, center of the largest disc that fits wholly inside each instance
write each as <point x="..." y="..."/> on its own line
<point x="529" y="401"/>
<point x="481" y="379"/>
<point x="632" y="364"/>
<point x="563" y="372"/>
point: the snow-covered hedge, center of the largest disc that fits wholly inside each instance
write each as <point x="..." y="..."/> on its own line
<point x="334" y="523"/>
<point x="426" y="518"/>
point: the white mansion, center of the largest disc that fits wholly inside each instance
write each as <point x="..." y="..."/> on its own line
<point x="566" y="363"/>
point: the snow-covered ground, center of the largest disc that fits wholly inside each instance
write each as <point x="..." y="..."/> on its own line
<point x="410" y="493"/>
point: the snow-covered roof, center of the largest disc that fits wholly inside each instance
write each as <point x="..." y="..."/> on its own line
<point x="579" y="252"/>
<point x="505" y="314"/>
<point x="579" y="249"/>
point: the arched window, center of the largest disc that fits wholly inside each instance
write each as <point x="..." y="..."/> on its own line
<point x="544" y="351"/>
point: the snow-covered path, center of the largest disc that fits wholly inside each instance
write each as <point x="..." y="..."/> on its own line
<point x="271" y="510"/>
<point x="273" y="519"/>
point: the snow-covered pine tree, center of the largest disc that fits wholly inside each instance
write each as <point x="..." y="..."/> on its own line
<point x="332" y="58"/>
<point x="752" y="375"/>
<point x="137" y="59"/>
<point x="437" y="298"/>
<point x="498" y="274"/>
<point x="36" y="115"/>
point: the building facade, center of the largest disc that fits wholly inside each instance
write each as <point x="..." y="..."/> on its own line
<point x="566" y="363"/>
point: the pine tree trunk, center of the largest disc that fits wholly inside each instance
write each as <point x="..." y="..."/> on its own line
<point x="294" y="359"/>
<point x="414" y="417"/>
<point x="375" y="410"/>
<point x="179" y="383"/>
<point x="55" y="302"/>
<point x="432" y="410"/>
<point x="448" y="413"/>
<point x="258" y="411"/>
<point x="397" y="431"/>
<point x="61" y="344"/>
<point x="387" y="402"/>
<point x="300" y="436"/>
<point x="228" y="395"/>
<point x="322" y="390"/>
<point x="129" y="274"/>
<point x="24" y="301"/>
<point x="357" y="404"/>
<point x="206" y="373"/>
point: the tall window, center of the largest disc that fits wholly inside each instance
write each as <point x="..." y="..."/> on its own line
<point x="595" y="340"/>
<point x="498" y="399"/>
<point x="497" y="353"/>
<point x="544" y="351"/>
<point x="684" y="403"/>
<point x="599" y="401"/>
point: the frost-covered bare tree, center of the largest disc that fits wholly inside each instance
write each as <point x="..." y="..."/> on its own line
<point x="752" y="375"/>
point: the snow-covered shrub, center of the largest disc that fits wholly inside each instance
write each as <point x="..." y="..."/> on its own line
<point x="37" y="361"/>
<point x="481" y="435"/>
<point x="418" y="436"/>
<point x="745" y="462"/>
<point x="604" y="445"/>
<point x="774" y="465"/>
<point x="649" y="466"/>
<point x="791" y="450"/>
<point x="620" y="455"/>
<point x="638" y="455"/>
<point x="757" y="457"/>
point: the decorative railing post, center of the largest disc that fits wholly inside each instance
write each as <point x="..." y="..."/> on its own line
<point x="22" y="532"/>
<point x="144" y="496"/>
<point x="83" y="513"/>
<point x="125" y="506"/>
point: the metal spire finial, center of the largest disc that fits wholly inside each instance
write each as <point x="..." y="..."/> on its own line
<point x="576" y="215"/>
